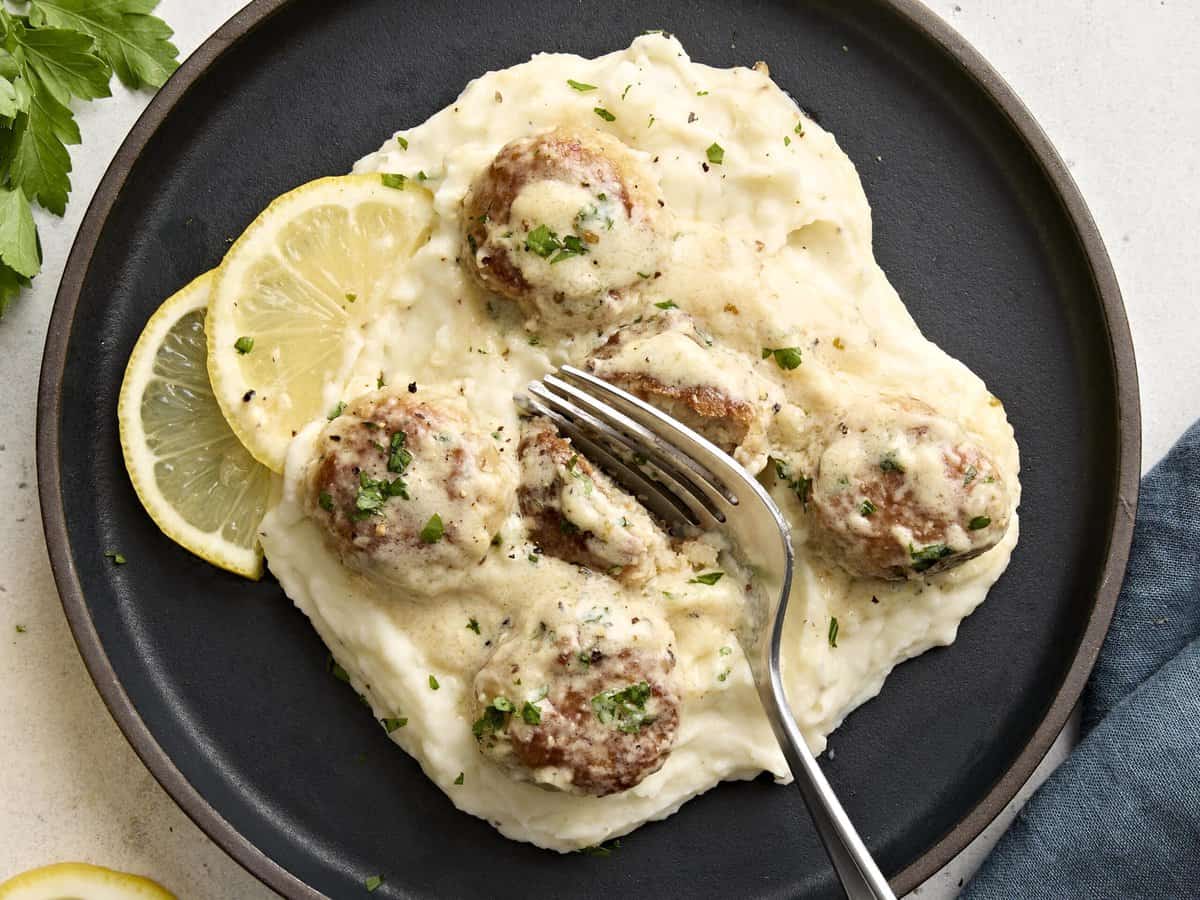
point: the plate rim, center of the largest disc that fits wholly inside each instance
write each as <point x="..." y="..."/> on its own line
<point x="240" y="848"/>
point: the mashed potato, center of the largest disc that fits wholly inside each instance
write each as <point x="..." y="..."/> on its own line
<point x="769" y="248"/>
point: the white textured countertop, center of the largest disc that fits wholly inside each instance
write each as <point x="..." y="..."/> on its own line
<point x="1113" y="84"/>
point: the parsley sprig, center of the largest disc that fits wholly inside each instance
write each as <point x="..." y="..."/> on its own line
<point x="59" y="51"/>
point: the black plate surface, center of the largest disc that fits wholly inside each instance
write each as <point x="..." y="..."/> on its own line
<point x="220" y="684"/>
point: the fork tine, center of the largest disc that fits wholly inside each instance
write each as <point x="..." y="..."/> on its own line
<point x="709" y="462"/>
<point x="599" y="426"/>
<point x="674" y="458"/>
<point x="661" y="502"/>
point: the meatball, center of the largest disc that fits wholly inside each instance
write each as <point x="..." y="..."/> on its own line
<point x="575" y="513"/>
<point x="582" y="701"/>
<point x="670" y="362"/>
<point x="910" y="495"/>
<point x="408" y="489"/>
<point x="567" y="224"/>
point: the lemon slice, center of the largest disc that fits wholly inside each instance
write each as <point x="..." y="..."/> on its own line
<point x="197" y="481"/>
<point x="80" y="881"/>
<point x="293" y="294"/>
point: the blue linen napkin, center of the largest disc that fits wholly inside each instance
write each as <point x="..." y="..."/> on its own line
<point x="1121" y="817"/>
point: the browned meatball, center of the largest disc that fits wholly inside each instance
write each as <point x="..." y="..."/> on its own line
<point x="575" y="513"/>
<point x="909" y="495"/>
<point x="407" y="488"/>
<point x="567" y="225"/>
<point x="583" y="702"/>
<point x="669" y="361"/>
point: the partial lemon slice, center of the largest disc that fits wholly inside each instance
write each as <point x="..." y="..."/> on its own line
<point x="80" y="881"/>
<point x="293" y="294"/>
<point x="197" y="481"/>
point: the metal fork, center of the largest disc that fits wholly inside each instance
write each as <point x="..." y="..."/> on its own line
<point x="693" y="485"/>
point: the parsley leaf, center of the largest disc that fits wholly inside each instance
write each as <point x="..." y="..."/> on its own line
<point x="18" y="236"/>
<point x="392" y="180"/>
<point x="667" y="304"/>
<point x="542" y="241"/>
<point x="580" y="86"/>
<point x="118" y="559"/>
<point x="715" y="153"/>
<point x="60" y="51"/>
<point x="398" y="457"/>
<point x="889" y="463"/>
<point x="787" y="358"/>
<point x="135" y="44"/>
<point x="979" y="522"/>
<point x="833" y="631"/>
<point x="926" y="557"/>
<point x="709" y="578"/>
<point x="243" y="345"/>
<point x="473" y="624"/>
<point x="866" y="508"/>
<point x="390" y="725"/>
<point x="433" y="530"/>
<point x="625" y="707"/>
<point x="433" y="683"/>
<point x="373" y="883"/>
<point x="531" y="714"/>
<point x="604" y="114"/>
<point x="461" y="778"/>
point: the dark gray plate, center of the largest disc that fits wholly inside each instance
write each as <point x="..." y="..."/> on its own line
<point x="220" y="684"/>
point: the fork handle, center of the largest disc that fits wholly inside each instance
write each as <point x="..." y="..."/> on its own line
<point x="860" y="877"/>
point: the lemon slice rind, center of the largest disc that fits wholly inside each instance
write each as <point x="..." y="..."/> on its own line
<point x="81" y="880"/>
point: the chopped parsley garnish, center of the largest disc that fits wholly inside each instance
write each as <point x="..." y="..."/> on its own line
<point x="604" y="114"/>
<point x="379" y="382"/>
<point x="21" y="629"/>
<point x="243" y="345"/>
<point x="580" y="86"/>
<point x="833" y="631"/>
<point x="421" y="176"/>
<point x="626" y="91"/>
<point x="390" y="725"/>
<point x="838" y="344"/>
<point x="571" y="246"/>
<point x="433" y="683"/>
<point x="460" y="779"/>
<point x="373" y="494"/>
<point x="116" y="556"/>
<point x="970" y="475"/>
<point x="334" y="668"/>
<point x="866" y="508"/>
<point x="605" y="849"/>
<point x="531" y="714"/>
<point x="350" y="298"/>
<point x="473" y="624"/>
<point x="402" y="141"/>
<point x="393" y="180"/>
<point x="398" y="457"/>
<point x="724" y="674"/>
<point x="542" y="241"/>
<point x="373" y="883"/>
<point x="667" y="304"/>
<point x="701" y="93"/>
<point x="534" y="340"/>
<point x="337" y="410"/>
<point x="325" y="501"/>
<point x="715" y="153"/>
<point x="651" y="122"/>
<point x="800" y="128"/>
<point x="433" y="530"/>
<point x="709" y="578"/>
<point x="979" y="522"/>
<point x="927" y="557"/>
<point x="801" y="486"/>
<point x="787" y="358"/>
<point x="725" y="651"/>
<point x="495" y="716"/>
<point x="889" y="463"/>
<point x="626" y="708"/>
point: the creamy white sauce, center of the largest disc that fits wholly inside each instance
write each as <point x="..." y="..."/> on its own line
<point x="772" y="249"/>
